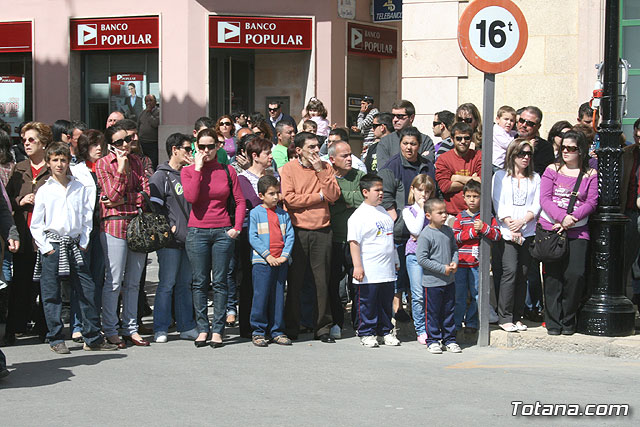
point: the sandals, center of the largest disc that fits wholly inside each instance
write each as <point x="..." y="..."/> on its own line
<point x="281" y="339"/>
<point x="259" y="341"/>
<point x="509" y="327"/>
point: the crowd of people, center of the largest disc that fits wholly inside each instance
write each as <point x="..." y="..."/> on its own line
<point x="280" y="226"/>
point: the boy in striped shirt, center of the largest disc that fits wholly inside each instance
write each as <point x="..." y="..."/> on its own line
<point x="468" y="229"/>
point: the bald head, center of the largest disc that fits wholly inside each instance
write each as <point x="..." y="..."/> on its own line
<point x="242" y="132"/>
<point x="114" y="117"/>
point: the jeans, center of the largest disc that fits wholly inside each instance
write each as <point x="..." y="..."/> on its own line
<point x="123" y="270"/>
<point x="95" y="258"/>
<point x="267" y="309"/>
<point x="417" y="294"/>
<point x="402" y="277"/>
<point x="232" y="297"/>
<point x="174" y="277"/>
<point x="466" y="283"/>
<point x="209" y="250"/>
<point x="81" y="282"/>
<point x="533" y="301"/>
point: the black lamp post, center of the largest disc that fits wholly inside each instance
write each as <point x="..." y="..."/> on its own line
<point x="608" y="312"/>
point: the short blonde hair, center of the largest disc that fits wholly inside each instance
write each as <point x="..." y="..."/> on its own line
<point x="419" y="182"/>
<point x="44" y="132"/>
<point x="505" y="109"/>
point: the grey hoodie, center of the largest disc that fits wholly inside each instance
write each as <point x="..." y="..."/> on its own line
<point x="162" y="194"/>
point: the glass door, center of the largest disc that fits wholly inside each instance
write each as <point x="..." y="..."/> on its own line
<point x="231" y="85"/>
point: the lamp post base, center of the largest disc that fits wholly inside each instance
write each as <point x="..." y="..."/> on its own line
<point x="607" y="316"/>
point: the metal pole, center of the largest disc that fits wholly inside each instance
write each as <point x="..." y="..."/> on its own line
<point x="608" y="312"/>
<point x="484" y="290"/>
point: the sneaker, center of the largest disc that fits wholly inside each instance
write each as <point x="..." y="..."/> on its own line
<point x="160" y="337"/>
<point x="60" y="348"/>
<point x="422" y="339"/>
<point x="335" y="332"/>
<point x="369" y="341"/>
<point x="259" y="341"/>
<point x="454" y="348"/>
<point x="389" y="339"/>
<point x="493" y="316"/>
<point x="103" y="346"/>
<point x="434" y="348"/>
<point x="520" y="326"/>
<point x="191" y="334"/>
<point x="509" y="327"/>
<point x="281" y="339"/>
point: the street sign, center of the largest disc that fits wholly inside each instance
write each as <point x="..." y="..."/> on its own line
<point x="492" y="35"/>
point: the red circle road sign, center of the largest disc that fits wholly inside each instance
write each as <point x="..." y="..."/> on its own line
<point x="492" y="35"/>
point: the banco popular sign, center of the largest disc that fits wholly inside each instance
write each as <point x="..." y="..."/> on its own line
<point x="241" y="32"/>
<point x="114" y="33"/>
<point x="372" y="41"/>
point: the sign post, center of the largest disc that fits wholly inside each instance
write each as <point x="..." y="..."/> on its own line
<point x="492" y="35"/>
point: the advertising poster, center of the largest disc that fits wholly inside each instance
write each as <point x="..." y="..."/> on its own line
<point x="12" y="101"/>
<point x="126" y="94"/>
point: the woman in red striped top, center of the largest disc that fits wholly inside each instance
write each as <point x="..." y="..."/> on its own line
<point x="121" y="177"/>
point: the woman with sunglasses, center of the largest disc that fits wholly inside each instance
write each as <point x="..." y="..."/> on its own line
<point x="211" y="235"/>
<point x="516" y="201"/>
<point x="469" y="114"/>
<point x="262" y="129"/>
<point x="27" y="177"/>
<point x="121" y="178"/>
<point x="564" y="280"/>
<point x="556" y="133"/>
<point x="225" y="127"/>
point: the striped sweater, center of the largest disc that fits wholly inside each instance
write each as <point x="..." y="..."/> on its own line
<point x="469" y="240"/>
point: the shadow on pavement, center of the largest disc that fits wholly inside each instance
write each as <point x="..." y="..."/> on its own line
<point x="48" y="372"/>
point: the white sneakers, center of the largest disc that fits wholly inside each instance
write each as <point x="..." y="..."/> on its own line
<point x="335" y="332"/>
<point x="390" y="339"/>
<point x="370" y="341"/>
<point x="436" y="348"/>
<point x="160" y="337"/>
<point x="454" y="348"/>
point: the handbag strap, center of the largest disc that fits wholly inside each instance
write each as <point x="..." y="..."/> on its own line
<point x="226" y="169"/>
<point x="574" y="195"/>
<point x="147" y="201"/>
<point x="173" y="190"/>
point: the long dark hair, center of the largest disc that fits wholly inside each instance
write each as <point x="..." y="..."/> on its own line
<point x="583" y="149"/>
<point x="5" y="148"/>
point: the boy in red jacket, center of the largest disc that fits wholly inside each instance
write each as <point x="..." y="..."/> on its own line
<point x="468" y="229"/>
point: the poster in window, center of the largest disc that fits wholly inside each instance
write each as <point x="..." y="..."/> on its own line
<point x="12" y="101"/>
<point x="126" y="94"/>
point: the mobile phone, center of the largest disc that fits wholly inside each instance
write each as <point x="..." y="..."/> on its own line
<point x="115" y="151"/>
<point x="104" y="198"/>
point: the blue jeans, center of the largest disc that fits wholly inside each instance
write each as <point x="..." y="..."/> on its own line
<point x="81" y="282"/>
<point x="533" y="301"/>
<point x="417" y="294"/>
<point x="174" y="277"/>
<point x="267" y="309"/>
<point x="466" y="283"/>
<point x="209" y="250"/>
<point x="232" y="297"/>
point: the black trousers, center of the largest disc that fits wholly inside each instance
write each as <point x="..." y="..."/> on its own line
<point x="513" y="282"/>
<point x="340" y="267"/>
<point x="23" y="292"/>
<point x="563" y="287"/>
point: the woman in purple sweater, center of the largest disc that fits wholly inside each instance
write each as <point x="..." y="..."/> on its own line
<point x="564" y="282"/>
<point x="211" y="235"/>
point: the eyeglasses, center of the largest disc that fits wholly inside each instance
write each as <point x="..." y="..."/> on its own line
<point x="226" y="123"/>
<point x="259" y="133"/>
<point x="120" y="142"/>
<point x="569" y="148"/>
<point x="188" y="149"/>
<point x="523" y="154"/>
<point x="273" y="109"/>
<point x="527" y="122"/>
<point x="400" y="116"/>
<point x="463" y="138"/>
<point x="436" y="123"/>
<point x="205" y="147"/>
<point x="467" y="120"/>
<point x="30" y="140"/>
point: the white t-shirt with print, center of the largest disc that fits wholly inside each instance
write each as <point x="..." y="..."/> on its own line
<point x="372" y="228"/>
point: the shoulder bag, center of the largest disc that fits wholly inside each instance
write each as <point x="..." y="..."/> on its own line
<point x="550" y="246"/>
<point x="148" y="231"/>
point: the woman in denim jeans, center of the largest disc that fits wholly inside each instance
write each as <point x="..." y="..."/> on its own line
<point x="211" y="235"/>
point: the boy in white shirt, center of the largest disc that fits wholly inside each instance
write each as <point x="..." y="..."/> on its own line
<point x="60" y="225"/>
<point x="503" y="134"/>
<point x="375" y="261"/>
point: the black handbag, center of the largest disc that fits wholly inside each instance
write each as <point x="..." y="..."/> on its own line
<point x="550" y="246"/>
<point x="231" y="201"/>
<point x="148" y="231"/>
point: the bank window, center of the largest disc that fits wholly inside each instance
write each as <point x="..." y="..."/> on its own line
<point x="630" y="50"/>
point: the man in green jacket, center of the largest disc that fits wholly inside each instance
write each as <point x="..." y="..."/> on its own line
<point x="350" y="198"/>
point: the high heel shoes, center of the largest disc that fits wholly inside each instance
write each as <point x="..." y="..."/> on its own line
<point x="139" y="343"/>
<point x="200" y="344"/>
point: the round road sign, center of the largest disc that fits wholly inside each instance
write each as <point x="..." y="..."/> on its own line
<point x="492" y="35"/>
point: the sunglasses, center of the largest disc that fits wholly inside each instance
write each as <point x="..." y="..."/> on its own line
<point x="467" y="120"/>
<point x="527" y="122"/>
<point x="274" y="109"/>
<point x="436" y="123"/>
<point x="120" y="142"/>
<point x="205" y="147"/>
<point x="569" y="148"/>
<point x="225" y="123"/>
<point x="463" y="138"/>
<point x="189" y="150"/>
<point x="30" y="140"/>
<point x="400" y="116"/>
<point x="375" y="125"/>
<point x="259" y="133"/>
<point x="523" y="154"/>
